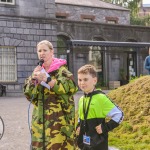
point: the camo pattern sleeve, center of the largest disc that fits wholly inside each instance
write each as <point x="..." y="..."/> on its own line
<point x="64" y="82"/>
<point x="30" y="90"/>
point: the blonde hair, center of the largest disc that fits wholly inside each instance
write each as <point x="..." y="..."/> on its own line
<point x="88" y="69"/>
<point x="49" y="44"/>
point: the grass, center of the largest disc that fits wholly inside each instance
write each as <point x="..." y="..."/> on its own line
<point x="134" y="100"/>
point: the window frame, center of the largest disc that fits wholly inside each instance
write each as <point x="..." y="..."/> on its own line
<point x="88" y="18"/>
<point x="8" y="3"/>
<point x="112" y="20"/>
<point x="15" y="65"/>
<point x="62" y="15"/>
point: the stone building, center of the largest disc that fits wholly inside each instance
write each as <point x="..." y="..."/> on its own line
<point x="24" y="23"/>
<point x="100" y="21"/>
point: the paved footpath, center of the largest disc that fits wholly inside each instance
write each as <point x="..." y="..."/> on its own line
<point x="14" y="111"/>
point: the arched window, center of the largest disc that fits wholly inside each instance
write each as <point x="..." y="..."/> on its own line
<point x="62" y="46"/>
<point x="96" y="58"/>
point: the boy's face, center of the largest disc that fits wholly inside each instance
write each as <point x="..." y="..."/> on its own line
<point x="86" y="82"/>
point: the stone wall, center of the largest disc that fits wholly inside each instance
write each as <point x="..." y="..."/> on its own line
<point x="80" y="30"/>
<point x="23" y="25"/>
<point x="115" y="58"/>
<point x="29" y="8"/>
<point x="24" y="34"/>
<point x="100" y="14"/>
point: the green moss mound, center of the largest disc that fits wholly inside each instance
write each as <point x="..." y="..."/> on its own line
<point x="134" y="100"/>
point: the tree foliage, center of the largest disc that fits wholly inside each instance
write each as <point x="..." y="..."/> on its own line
<point x="134" y="6"/>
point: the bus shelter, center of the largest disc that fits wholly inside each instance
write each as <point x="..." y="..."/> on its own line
<point x="114" y="61"/>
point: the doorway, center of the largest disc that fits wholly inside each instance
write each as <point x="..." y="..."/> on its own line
<point x="131" y="65"/>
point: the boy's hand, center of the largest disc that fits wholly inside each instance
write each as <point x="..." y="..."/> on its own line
<point x="78" y="131"/>
<point x="98" y="129"/>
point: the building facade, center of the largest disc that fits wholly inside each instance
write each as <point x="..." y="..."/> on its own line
<point x="24" y="23"/>
<point x="97" y="22"/>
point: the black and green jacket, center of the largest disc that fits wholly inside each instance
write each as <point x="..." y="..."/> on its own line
<point x="100" y="107"/>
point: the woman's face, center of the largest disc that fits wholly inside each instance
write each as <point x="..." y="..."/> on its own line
<point x="45" y="53"/>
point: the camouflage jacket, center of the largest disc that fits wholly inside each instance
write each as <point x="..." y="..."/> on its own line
<point x="53" y="124"/>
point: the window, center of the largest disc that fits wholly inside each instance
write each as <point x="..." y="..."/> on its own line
<point x="112" y="20"/>
<point x="87" y="17"/>
<point x="7" y="1"/>
<point x="95" y="57"/>
<point x="8" y="71"/>
<point x="62" y="46"/>
<point x="61" y="15"/>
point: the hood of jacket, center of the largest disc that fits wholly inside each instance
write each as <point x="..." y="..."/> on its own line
<point x="56" y="64"/>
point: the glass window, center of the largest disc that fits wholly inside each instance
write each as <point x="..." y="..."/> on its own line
<point x="8" y="72"/>
<point x="62" y="46"/>
<point x="87" y="17"/>
<point x="112" y="20"/>
<point x="62" y="15"/>
<point x="95" y="57"/>
<point x="7" y="1"/>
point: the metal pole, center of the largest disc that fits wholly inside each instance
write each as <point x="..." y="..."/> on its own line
<point x="43" y="120"/>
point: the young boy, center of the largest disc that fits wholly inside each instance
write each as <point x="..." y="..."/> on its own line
<point x="94" y="107"/>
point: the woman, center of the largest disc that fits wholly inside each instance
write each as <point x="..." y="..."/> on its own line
<point x="54" y="111"/>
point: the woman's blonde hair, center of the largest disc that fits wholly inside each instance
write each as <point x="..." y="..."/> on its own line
<point x="49" y="44"/>
<point x="88" y="69"/>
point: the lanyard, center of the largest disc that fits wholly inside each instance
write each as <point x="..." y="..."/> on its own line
<point x="85" y="111"/>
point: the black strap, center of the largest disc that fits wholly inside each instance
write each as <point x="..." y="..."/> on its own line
<point x="85" y="111"/>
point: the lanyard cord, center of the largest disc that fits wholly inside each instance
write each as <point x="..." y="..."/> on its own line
<point x="85" y="111"/>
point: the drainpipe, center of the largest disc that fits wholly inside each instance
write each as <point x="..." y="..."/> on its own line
<point x="105" y="66"/>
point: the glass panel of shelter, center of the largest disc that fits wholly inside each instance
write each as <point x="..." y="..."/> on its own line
<point x="62" y="46"/>
<point x="96" y="59"/>
<point x="131" y="65"/>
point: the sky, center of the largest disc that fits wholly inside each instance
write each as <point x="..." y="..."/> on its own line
<point x="146" y="1"/>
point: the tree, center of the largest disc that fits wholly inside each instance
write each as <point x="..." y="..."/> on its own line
<point x="134" y="6"/>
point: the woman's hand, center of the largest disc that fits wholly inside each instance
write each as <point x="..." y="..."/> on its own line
<point x="78" y="131"/>
<point x="36" y="72"/>
<point x="52" y="83"/>
<point x="99" y="129"/>
<point x="38" y="75"/>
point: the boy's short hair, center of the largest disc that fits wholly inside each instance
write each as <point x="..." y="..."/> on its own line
<point x="88" y="69"/>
